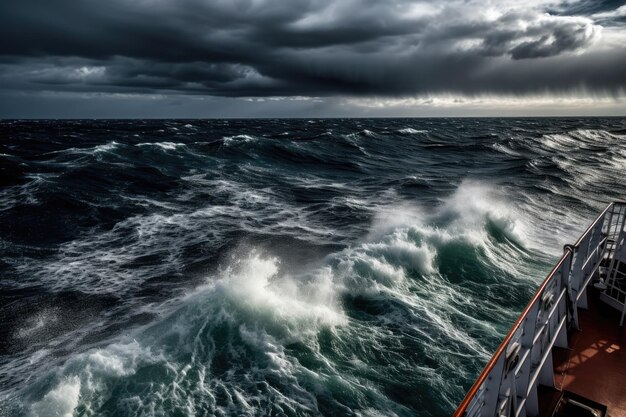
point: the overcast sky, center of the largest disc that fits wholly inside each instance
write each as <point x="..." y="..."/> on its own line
<point x="311" y="58"/>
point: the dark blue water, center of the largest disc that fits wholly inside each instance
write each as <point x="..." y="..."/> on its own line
<point x="279" y="267"/>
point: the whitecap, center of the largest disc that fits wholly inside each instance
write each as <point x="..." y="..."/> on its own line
<point x="233" y="140"/>
<point x="167" y="146"/>
<point x="256" y="309"/>
<point x="106" y="147"/>
<point x="254" y="282"/>
<point x="473" y="203"/>
<point x="411" y="131"/>
<point x="262" y="307"/>
<point x="60" y="401"/>
<point x="98" y="149"/>
<point x="593" y="135"/>
<point x="85" y="378"/>
<point x="499" y="147"/>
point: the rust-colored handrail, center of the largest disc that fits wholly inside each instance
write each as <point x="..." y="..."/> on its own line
<point x="481" y="378"/>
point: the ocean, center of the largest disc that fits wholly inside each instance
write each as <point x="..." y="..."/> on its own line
<point x="279" y="267"/>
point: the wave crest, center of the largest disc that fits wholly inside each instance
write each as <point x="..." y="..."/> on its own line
<point x="411" y="131"/>
<point x="257" y="339"/>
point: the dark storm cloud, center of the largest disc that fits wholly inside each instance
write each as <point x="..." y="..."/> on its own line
<point x="605" y="12"/>
<point x="304" y="47"/>
<point x="544" y="38"/>
<point x="586" y="7"/>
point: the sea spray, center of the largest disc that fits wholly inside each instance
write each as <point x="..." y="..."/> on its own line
<point x="299" y="334"/>
<point x="340" y="267"/>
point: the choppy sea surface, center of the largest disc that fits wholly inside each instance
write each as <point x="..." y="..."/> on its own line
<point x="279" y="267"/>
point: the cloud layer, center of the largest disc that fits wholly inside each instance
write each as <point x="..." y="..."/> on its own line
<point x="256" y="48"/>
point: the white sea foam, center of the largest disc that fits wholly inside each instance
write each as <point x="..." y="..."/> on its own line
<point x="106" y="147"/>
<point x="579" y="139"/>
<point x="560" y="142"/>
<point x="404" y="238"/>
<point x="266" y="308"/>
<point x="60" y="401"/>
<point x="85" y="378"/>
<point x="370" y="412"/>
<point x="400" y="249"/>
<point x="254" y="308"/>
<point x="254" y="282"/>
<point x="97" y="263"/>
<point x="26" y="193"/>
<point x="618" y="161"/>
<point x="411" y="131"/>
<point x="463" y="217"/>
<point x="37" y="323"/>
<point x="354" y="137"/>
<point x="601" y="160"/>
<point x="473" y="203"/>
<point x="167" y="146"/>
<point x="233" y="140"/>
<point x="597" y="134"/>
<point x="505" y="149"/>
<point x="94" y="150"/>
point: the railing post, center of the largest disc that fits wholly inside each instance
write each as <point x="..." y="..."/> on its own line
<point x="572" y="311"/>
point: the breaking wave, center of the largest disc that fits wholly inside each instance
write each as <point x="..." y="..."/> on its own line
<point x="299" y="330"/>
<point x="281" y="267"/>
<point x="411" y="131"/>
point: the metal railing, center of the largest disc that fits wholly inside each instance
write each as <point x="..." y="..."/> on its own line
<point x="615" y="274"/>
<point x="508" y="384"/>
